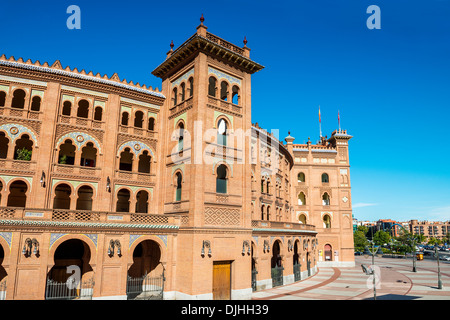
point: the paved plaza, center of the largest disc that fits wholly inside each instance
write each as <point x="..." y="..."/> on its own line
<point x="397" y="282"/>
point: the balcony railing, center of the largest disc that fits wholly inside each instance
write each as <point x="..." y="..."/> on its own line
<point x="83" y="122"/>
<point x="224" y="104"/>
<point x="136" y="176"/>
<point x="262" y="224"/>
<point x="77" y="170"/>
<point x="16" y="213"/>
<point x="137" y="131"/>
<point x="20" y="113"/>
<point x="17" y="165"/>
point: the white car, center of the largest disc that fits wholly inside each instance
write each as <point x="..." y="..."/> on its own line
<point x="444" y="257"/>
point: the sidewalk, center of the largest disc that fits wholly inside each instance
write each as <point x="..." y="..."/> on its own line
<point x="397" y="282"/>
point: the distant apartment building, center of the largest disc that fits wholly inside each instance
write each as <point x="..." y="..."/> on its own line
<point x="435" y="229"/>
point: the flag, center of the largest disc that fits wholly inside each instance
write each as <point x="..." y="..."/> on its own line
<point x="339" y="120"/>
<point x="319" y="115"/>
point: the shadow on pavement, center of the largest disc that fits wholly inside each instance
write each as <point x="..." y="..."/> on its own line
<point x="394" y="297"/>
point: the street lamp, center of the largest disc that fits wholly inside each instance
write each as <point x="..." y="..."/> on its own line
<point x="436" y="254"/>
<point x="371" y="271"/>
<point x="413" y="251"/>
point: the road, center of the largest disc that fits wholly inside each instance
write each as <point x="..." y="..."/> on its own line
<point x="396" y="282"/>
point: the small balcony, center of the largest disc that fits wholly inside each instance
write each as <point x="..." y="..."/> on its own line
<point x="82" y="122"/>
<point x="263" y="224"/>
<point x="77" y="170"/>
<point x="20" y="113"/>
<point x="22" y="165"/>
<point x="23" y="214"/>
<point x="148" y="178"/>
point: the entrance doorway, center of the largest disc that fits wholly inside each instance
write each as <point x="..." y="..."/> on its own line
<point x="145" y="279"/>
<point x="328" y="253"/>
<point x="71" y="277"/>
<point x="222" y="280"/>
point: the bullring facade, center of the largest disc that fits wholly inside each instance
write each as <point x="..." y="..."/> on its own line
<point x="171" y="194"/>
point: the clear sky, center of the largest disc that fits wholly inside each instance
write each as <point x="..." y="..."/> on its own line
<point x="391" y="85"/>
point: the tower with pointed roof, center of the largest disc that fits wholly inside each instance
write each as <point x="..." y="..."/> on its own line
<point x="207" y="83"/>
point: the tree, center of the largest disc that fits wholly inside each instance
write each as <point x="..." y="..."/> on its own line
<point x="360" y="240"/>
<point x="381" y="237"/>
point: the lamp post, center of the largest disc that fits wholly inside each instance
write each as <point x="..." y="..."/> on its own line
<point x="413" y="251"/>
<point x="436" y="253"/>
<point x="371" y="271"/>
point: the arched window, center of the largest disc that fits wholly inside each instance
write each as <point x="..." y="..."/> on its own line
<point x="17" y="196"/>
<point x="88" y="155"/>
<point x="142" y="202"/>
<point x="222" y="132"/>
<point x="151" y="124"/>
<point x="221" y="179"/>
<point x="268" y="213"/>
<point x="302" y="219"/>
<point x="124" y="120"/>
<point x="83" y="109"/>
<point x="268" y="186"/>
<point x="67" y="153"/>
<point x="18" y="100"/>
<point x="84" y="200"/>
<point x="123" y="201"/>
<point x="24" y="148"/>
<point x="183" y="91"/>
<point x="301" y="177"/>
<point x="179" y="180"/>
<point x="326" y="221"/>
<point x="126" y="160"/>
<point x="262" y="212"/>
<point x="191" y="86"/>
<point x="235" y="95"/>
<point x="2" y="98"/>
<point x="98" y="113"/>
<point x="325" y="199"/>
<point x="180" y="136"/>
<point x="138" y="119"/>
<point x="175" y="96"/>
<point x="144" y="162"/>
<point x="301" y="199"/>
<point x="4" y="141"/>
<point x="67" y="108"/>
<point x="62" y="197"/>
<point x="325" y="178"/>
<point x="224" y="91"/>
<point x="212" y="86"/>
<point x="36" y="103"/>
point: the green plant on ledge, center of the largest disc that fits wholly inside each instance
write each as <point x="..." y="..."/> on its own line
<point x="24" y="154"/>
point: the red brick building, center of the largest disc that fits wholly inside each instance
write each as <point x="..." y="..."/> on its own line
<point x="170" y="194"/>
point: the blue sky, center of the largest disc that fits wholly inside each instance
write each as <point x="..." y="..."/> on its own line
<point x="391" y="86"/>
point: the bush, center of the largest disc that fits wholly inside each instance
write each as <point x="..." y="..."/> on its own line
<point x="24" y="154"/>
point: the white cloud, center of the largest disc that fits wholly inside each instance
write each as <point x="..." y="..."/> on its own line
<point x="439" y="213"/>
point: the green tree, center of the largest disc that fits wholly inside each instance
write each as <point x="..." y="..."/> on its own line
<point x="359" y="240"/>
<point x="381" y="237"/>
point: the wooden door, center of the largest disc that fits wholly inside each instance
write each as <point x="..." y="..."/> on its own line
<point x="222" y="280"/>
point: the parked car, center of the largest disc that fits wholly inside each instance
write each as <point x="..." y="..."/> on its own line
<point x="445" y="258"/>
<point x="358" y="253"/>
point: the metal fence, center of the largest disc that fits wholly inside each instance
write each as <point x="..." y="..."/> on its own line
<point x="277" y="276"/>
<point x="3" y="290"/>
<point x="145" y="287"/>
<point x="297" y="273"/>
<point x="64" y="291"/>
<point x="254" y="273"/>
